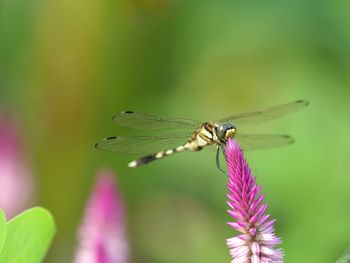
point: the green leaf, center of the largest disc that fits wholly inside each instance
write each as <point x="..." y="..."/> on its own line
<point x="28" y="237"/>
<point x="3" y="229"/>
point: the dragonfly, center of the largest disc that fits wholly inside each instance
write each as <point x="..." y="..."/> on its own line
<point x="183" y="134"/>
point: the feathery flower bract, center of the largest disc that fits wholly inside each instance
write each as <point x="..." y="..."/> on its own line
<point x="102" y="234"/>
<point x="257" y="240"/>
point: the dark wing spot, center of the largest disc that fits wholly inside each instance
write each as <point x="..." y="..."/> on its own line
<point x="305" y="102"/>
<point x="110" y="138"/>
<point x="127" y="112"/>
<point x="291" y="140"/>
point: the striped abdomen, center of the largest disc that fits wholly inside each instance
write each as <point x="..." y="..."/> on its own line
<point x="156" y="156"/>
<point x="204" y="136"/>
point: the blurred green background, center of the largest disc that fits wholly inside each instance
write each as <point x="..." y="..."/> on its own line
<point x="67" y="66"/>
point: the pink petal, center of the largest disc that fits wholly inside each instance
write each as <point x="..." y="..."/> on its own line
<point x="258" y="241"/>
<point x="15" y="176"/>
<point x="102" y="234"/>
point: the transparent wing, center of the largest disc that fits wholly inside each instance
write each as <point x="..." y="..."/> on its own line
<point x="263" y="141"/>
<point x="256" y="117"/>
<point x="345" y="257"/>
<point x="145" y="121"/>
<point x="142" y="144"/>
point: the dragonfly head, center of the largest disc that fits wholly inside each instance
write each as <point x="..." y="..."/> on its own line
<point x="226" y="131"/>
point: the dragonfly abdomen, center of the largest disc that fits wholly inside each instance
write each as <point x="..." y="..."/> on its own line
<point x="156" y="156"/>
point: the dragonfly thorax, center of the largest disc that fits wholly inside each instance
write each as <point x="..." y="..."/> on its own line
<point x="225" y="131"/>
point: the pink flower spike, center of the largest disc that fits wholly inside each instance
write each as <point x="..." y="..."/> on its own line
<point x="102" y="234"/>
<point x="258" y="241"/>
<point x="15" y="175"/>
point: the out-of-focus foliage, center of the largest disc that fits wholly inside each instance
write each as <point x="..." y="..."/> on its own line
<point x="3" y="229"/>
<point x="26" y="238"/>
<point x="67" y="66"/>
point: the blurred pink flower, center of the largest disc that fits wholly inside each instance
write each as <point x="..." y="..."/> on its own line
<point x="102" y="235"/>
<point x="15" y="177"/>
<point x="258" y="241"/>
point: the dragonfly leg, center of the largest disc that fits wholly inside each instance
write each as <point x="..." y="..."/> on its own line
<point x="218" y="159"/>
